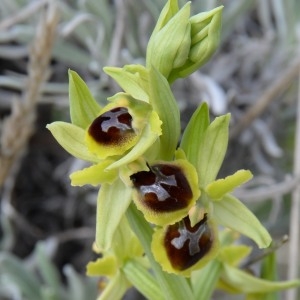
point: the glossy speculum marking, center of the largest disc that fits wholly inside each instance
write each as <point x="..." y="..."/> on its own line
<point x="186" y="245"/>
<point x="164" y="188"/>
<point x="112" y="127"/>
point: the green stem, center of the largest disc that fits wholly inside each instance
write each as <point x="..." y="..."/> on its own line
<point x="172" y="286"/>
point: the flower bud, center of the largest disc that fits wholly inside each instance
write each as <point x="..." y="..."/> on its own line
<point x="205" y="37"/>
<point x="169" y="45"/>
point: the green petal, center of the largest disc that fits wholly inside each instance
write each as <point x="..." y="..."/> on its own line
<point x="148" y="137"/>
<point x="106" y="266"/>
<point x="141" y="278"/>
<point x="133" y="79"/>
<point x="194" y="133"/>
<point x="72" y="139"/>
<point x="164" y="103"/>
<point x="245" y="283"/>
<point x="83" y="106"/>
<point x="94" y="175"/>
<point x="217" y="189"/>
<point x="112" y="203"/>
<point x="232" y="213"/>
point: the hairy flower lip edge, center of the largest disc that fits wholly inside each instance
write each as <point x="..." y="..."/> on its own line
<point x="139" y="111"/>
<point x="161" y="256"/>
<point x="168" y="218"/>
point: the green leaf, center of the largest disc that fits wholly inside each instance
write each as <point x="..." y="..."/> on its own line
<point x="133" y="79"/>
<point x="212" y="150"/>
<point x="194" y="133"/>
<point x="232" y="213"/>
<point x="164" y="103"/>
<point x="94" y="174"/>
<point x="83" y="107"/>
<point x="14" y="269"/>
<point x="204" y="280"/>
<point x="246" y="283"/>
<point x="47" y="270"/>
<point x="143" y="281"/>
<point x="172" y="286"/>
<point x="217" y="189"/>
<point x="78" y="287"/>
<point x="112" y="203"/>
<point x="72" y="139"/>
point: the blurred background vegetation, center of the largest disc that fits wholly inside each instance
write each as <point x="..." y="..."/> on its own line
<point x="47" y="226"/>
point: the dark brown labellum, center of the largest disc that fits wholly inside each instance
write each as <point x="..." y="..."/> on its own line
<point x="112" y="127"/>
<point x="186" y="245"/>
<point x="164" y="188"/>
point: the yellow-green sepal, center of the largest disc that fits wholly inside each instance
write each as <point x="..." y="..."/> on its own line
<point x="233" y="214"/>
<point x="205" y="143"/>
<point x="72" y="139"/>
<point x="133" y="79"/>
<point x="83" y="106"/>
<point x="194" y="133"/>
<point x="218" y="188"/>
<point x="112" y="203"/>
<point x="243" y="282"/>
<point x="94" y="174"/>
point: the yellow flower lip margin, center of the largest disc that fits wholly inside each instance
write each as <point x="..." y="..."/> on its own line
<point x="165" y="186"/>
<point x="135" y="114"/>
<point x="160" y="253"/>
